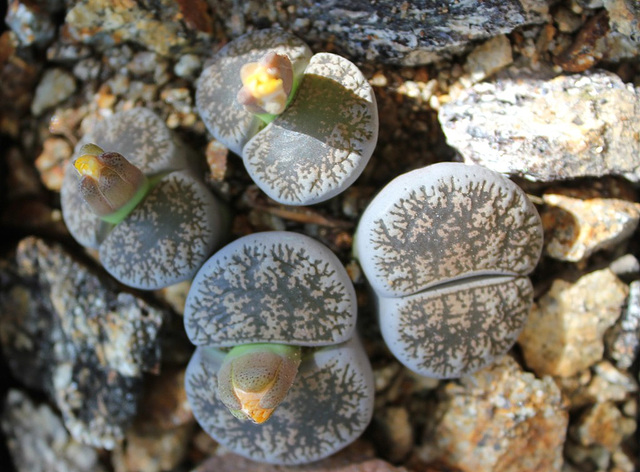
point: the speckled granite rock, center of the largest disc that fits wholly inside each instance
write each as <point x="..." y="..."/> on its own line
<point x="167" y="27"/>
<point x="604" y="425"/>
<point x="497" y="420"/>
<point x="580" y="222"/>
<point x="67" y="332"/>
<point x="602" y="383"/>
<point x="623" y="339"/>
<point x="38" y="441"/>
<point x="564" y="332"/>
<point x="386" y="31"/>
<point x="30" y="22"/>
<point x="547" y="130"/>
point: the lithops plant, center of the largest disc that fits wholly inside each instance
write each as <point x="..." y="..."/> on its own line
<point x="278" y="375"/>
<point x="447" y="249"/>
<point x="132" y="191"/>
<point x="305" y="125"/>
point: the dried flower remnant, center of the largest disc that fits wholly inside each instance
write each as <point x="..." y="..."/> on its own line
<point x="447" y="250"/>
<point x="111" y="185"/>
<point x="254" y="379"/>
<point x="286" y="306"/>
<point x="266" y="85"/>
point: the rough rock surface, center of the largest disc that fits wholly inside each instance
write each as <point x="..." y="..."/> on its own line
<point x="565" y="330"/>
<point x="566" y="127"/>
<point x="499" y="419"/>
<point x="406" y="33"/>
<point x="623" y="339"/>
<point x="583" y="221"/>
<point x="74" y="335"/>
<point x="166" y="27"/>
<point x="38" y="440"/>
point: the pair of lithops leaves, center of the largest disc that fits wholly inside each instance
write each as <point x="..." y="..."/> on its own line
<point x="132" y="192"/>
<point x="447" y="249"/>
<point x="305" y="125"/>
<point x="278" y="375"/>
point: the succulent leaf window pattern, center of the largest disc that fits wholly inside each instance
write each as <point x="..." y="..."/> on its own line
<point x="168" y="235"/>
<point x="447" y="250"/>
<point x="277" y="294"/>
<point x="323" y="139"/>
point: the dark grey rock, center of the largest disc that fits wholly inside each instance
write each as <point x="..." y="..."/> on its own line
<point x="75" y="336"/>
<point x="408" y="33"/>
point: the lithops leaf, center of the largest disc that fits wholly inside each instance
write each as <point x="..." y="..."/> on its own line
<point x="166" y="237"/>
<point x="329" y="406"/>
<point x="277" y="287"/>
<point x="324" y="139"/>
<point x="459" y="328"/>
<point x="84" y="225"/>
<point x="220" y="82"/>
<point x="445" y="222"/>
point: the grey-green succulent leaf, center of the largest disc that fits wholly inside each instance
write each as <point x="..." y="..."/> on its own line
<point x="447" y="249"/>
<point x="454" y="330"/>
<point x="321" y="143"/>
<point x="445" y="222"/>
<point x="328" y="406"/>
<point x="277" y="287"/>
<point x="168" y="238"/>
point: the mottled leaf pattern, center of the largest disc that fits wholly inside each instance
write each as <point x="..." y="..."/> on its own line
<point x="445" y="222"/>
<point x="322" y="142"/>
<point x="271" y="287"/>
<point x="219" y="83"/>
<point x="329" y="405"/>
<point x="447" y="248"/>
<point x="459" y="329"/>
<point x="166" y="238"/>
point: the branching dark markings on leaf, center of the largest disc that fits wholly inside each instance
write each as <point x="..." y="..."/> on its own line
<point x="447" y="249"/>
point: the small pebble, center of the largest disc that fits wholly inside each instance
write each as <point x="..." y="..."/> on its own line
<point x="56" y="85"/>
<point x="52" y="161"/>
<point x="581" y="222"/>
<point x="564" y="332"/>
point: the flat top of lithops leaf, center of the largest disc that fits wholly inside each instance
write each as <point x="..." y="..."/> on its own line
<point x="141" y="136"/>
<point x="322" y="141"/>
<point x="164" y="240"/>
<point x="275" y="287"/>
<point x="458" y="328"/>
<point x="328" y="406"/>
<point x="220" y="82"/>
<point x="445" y="222"/>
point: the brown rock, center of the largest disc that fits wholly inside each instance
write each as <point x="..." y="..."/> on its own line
<point x="603" y="425"/>
<point x="564" y="332"/>
<point x="499" y="419"/>
<point x="579" y="222"/>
